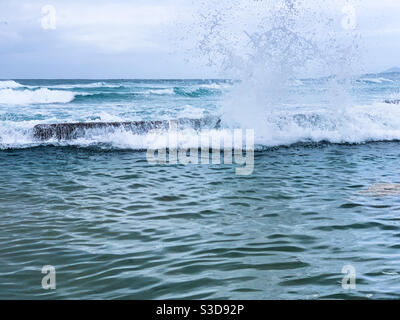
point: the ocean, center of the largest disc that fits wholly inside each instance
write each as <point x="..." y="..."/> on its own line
<point x="323" y="195"/>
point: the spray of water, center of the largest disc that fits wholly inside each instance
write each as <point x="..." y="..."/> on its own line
<point x="267" y="44"/>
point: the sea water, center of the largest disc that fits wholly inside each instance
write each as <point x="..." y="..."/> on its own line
<point x="115" y="226"/>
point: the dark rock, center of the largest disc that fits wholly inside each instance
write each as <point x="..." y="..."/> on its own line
<point x="68" y="131"/>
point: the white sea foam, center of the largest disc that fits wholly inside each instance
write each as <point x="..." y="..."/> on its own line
<point x="216" y="86"/>
<point x="43" y="95"/>
<point x="161" y="91"/>
<point x="16" y="134"/>
<point x="191" y="112"/>
<point x="108" y="117"/>
<point x="9" y="84"/>
<point x="358" y="124"/>
<point x="376" y="80"/>
<point x="85" y="85"/>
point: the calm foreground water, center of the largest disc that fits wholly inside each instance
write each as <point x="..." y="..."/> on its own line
<point x="116" y="227"/>
<point x="139" y="231"/>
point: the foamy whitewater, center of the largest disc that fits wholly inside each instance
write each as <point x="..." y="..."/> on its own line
<point x="304" y="114"/>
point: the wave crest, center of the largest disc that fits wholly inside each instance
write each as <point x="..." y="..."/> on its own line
<point x="9" y="84"/>
<point x="43" y="95"/>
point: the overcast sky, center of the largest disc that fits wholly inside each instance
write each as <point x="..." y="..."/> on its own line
<point x="139" y="39"/>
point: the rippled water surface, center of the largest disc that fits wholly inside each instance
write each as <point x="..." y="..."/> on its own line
<point x="115" y="226"/>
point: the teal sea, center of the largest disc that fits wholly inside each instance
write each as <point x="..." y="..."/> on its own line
<point x="324" y="194"/>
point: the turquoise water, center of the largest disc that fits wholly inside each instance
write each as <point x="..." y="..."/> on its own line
<point x="115" y="226"/>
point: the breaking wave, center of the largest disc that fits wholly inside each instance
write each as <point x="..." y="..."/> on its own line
<point x="42" y="95"/>
<point x="376" y="80"/>
<point x="9" y="84"/>
<point x="14" y="93"/>
<point x="161" y="91"/>
<point x="102" y="96"/>
<point x="175" y="91"/>
<point x="196" y="92"/>
<point x="192" y="92"/>
<point x="359" y="124"/>
<point x="94" y="85"/>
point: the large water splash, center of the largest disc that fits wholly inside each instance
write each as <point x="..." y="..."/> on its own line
<point x="269" y="43"/>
